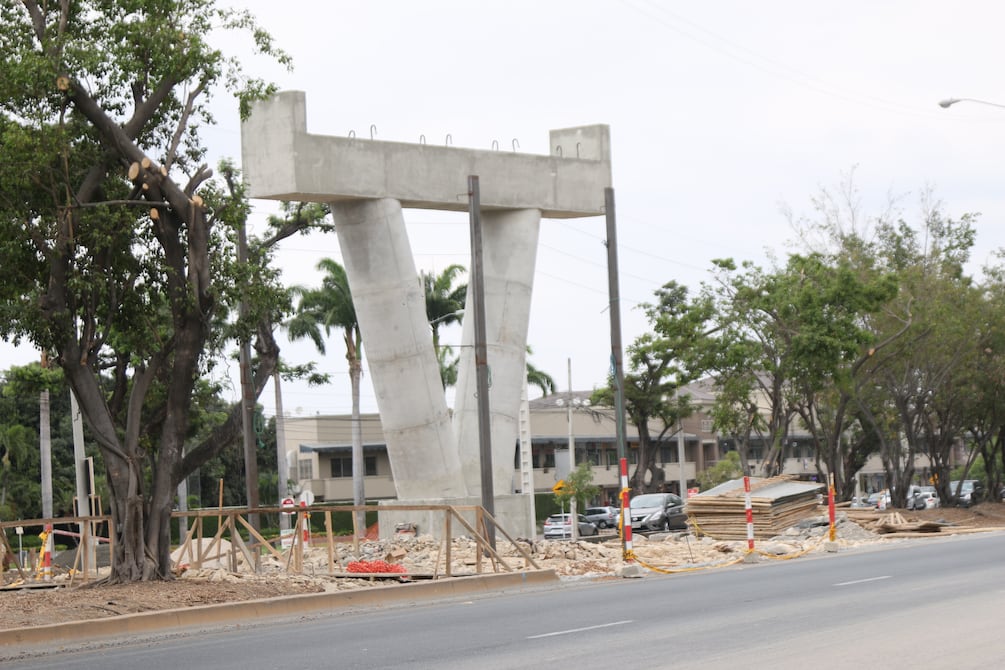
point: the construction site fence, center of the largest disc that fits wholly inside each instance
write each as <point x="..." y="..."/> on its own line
<point x="202" y="545"/>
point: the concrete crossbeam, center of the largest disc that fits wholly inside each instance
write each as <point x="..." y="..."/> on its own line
<point x="282" y="161"/>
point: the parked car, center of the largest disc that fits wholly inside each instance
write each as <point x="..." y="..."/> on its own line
<point x="604" y="517"/>
<point x="879" y="500"/>
<point x="966" y="493"/>
<point x="922" y="497"/>
<point x="559" y="526"/>
<point x="657" y="511"/>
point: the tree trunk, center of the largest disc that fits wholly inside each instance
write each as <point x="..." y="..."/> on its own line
<point x="648" y="477"/>
<point x="358" y="470"/>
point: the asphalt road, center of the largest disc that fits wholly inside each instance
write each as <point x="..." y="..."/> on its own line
<point x="924" y="604"/>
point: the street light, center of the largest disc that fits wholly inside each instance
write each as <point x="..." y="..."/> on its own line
<point x="948" y="102"/>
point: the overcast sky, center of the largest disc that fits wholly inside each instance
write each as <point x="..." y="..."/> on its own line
<point x="721" y="115"/>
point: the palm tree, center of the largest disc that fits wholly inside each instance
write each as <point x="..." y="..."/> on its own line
<point x="328" y="308"/>
<point x="539" y="378"/>
<point x="444" y="306"/>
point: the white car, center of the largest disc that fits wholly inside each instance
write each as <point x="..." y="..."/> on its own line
<point x="923" y="497"/>
<point x="558" y="526"/>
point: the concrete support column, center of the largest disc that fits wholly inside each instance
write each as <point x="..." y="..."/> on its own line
<point x="391" y="310"/>
<point x="509" y="251"/>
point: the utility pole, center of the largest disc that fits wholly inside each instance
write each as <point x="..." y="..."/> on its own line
<point x="481" y="357"/>
<point x="573" y="516"/>
<point x="617" y="363"/>
<point x="682" y="479"/>
<point x="281" y="463"/>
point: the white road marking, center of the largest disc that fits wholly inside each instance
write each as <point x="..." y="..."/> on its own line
<point x="863" y="581"/>
<point x="579" y="630"/>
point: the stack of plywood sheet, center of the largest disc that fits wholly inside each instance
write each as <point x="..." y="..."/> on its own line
<point x="777" y="503"/>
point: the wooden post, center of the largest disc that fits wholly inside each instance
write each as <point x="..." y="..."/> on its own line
<point x="480" y="525"/>
<point x="448" y="539"/>
<point x="331" y="542"/>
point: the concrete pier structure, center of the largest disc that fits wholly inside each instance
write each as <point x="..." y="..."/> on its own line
<point x="391" y="310"/>
<point x="368" y="182"/>
<point x="509" y="251"/>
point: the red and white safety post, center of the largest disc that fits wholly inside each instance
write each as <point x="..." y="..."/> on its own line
<point x="626" y="516"/>
<point x="830" y="506"/>
<point x="750" y="513"/>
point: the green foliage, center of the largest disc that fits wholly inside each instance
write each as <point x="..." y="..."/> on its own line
<point x="539" y="378"/>
<point x="579" y="486"/>
<point x="115" y="239"/>
<point x="725" y="469"/>
<point x="660" y="363"/>
<point x="445" y="300"/>
<point x="20" y="464"/>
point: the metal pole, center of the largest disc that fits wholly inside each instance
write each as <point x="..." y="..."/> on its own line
<point x="682" y="479"/>
<point x="481" y="358"/>
<point x="282" y="463"/>
<point x="572" y="461"/>
<point x="617" y="364"/>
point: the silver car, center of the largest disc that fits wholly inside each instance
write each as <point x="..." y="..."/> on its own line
<point x="604" y="517"/>
<point x="558" y="526"/>
<point x="657" y="511"/>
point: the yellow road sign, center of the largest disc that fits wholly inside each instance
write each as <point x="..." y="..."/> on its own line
<point x="559" y="486"/>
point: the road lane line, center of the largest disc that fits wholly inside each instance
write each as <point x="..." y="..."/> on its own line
<point x="579" y="630"/>
<point x="863" y="581"/>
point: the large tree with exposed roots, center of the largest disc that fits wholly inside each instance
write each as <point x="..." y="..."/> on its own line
<point x="117" y="241"/>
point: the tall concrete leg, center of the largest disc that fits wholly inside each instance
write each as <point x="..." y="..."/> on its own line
<point x="509" y="251"/>
<point x="391" y="310"/>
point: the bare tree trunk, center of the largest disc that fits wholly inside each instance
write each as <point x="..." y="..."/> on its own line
<point x="358" y="469"/>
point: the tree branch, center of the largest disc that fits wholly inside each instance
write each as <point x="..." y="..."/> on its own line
<point x="143" y="112"/>
<point x="37" y="19"/>
<point x="183" y="123"/>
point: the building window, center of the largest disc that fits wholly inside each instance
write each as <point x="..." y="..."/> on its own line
<point x="668" y="453"/>
<point x="342" y="466"/>
<point x="549" y="459"/>
<point x="706" y="425"/>
<point x="305" y="467"/>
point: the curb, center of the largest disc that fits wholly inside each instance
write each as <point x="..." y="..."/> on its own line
<point x="283" y="606"/>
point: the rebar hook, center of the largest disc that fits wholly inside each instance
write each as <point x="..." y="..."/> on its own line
<point x="558" y="149"/>
<point x="577" y="149"/>
<point x="352" y="134"/>
<point x="449" y="140"/>
<point x="422" y="139"/>
<point x="495" y="145"/>
<point x="516" y="144"/>
<point x="373" y="130"/>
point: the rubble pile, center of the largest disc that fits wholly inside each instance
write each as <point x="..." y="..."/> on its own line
<point x="424" y="556"/>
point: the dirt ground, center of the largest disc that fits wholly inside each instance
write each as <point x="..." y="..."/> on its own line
<point x="33" y="606"/>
